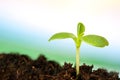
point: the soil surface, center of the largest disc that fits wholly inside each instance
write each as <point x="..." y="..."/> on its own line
<point x="21" y="67"/>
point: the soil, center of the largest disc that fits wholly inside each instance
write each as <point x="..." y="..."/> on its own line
<point x="21" y="67"/>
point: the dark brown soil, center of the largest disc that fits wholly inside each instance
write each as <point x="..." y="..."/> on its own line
<point x="21" y="67"/>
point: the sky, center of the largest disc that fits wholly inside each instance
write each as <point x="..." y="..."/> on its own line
<point x="100" y="15"/>
<point x="30" y="23"/>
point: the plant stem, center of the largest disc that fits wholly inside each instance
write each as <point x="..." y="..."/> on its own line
<point x="77" y="60"/>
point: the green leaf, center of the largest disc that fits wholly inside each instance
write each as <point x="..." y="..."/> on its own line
<point x="80" y="29"/>
<point x="95" y="40"/>
<point x="63" y="35"/>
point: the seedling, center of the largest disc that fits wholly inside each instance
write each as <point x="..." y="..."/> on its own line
<point x="93" y="40"/>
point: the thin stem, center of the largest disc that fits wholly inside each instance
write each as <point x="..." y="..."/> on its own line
<point x="77" y="60"/>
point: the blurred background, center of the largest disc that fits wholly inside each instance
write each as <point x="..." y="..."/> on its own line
<point x="26" y="26"/>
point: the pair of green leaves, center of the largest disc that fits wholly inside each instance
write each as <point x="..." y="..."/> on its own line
<point x="94" y="40"/>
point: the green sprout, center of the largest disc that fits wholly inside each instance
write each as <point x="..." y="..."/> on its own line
<point x="93" y="40"/>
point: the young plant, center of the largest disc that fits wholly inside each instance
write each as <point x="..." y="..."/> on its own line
<point x="94" y="40"/>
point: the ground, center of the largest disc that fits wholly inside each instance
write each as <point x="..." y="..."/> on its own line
<point x="14" y="66"/>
